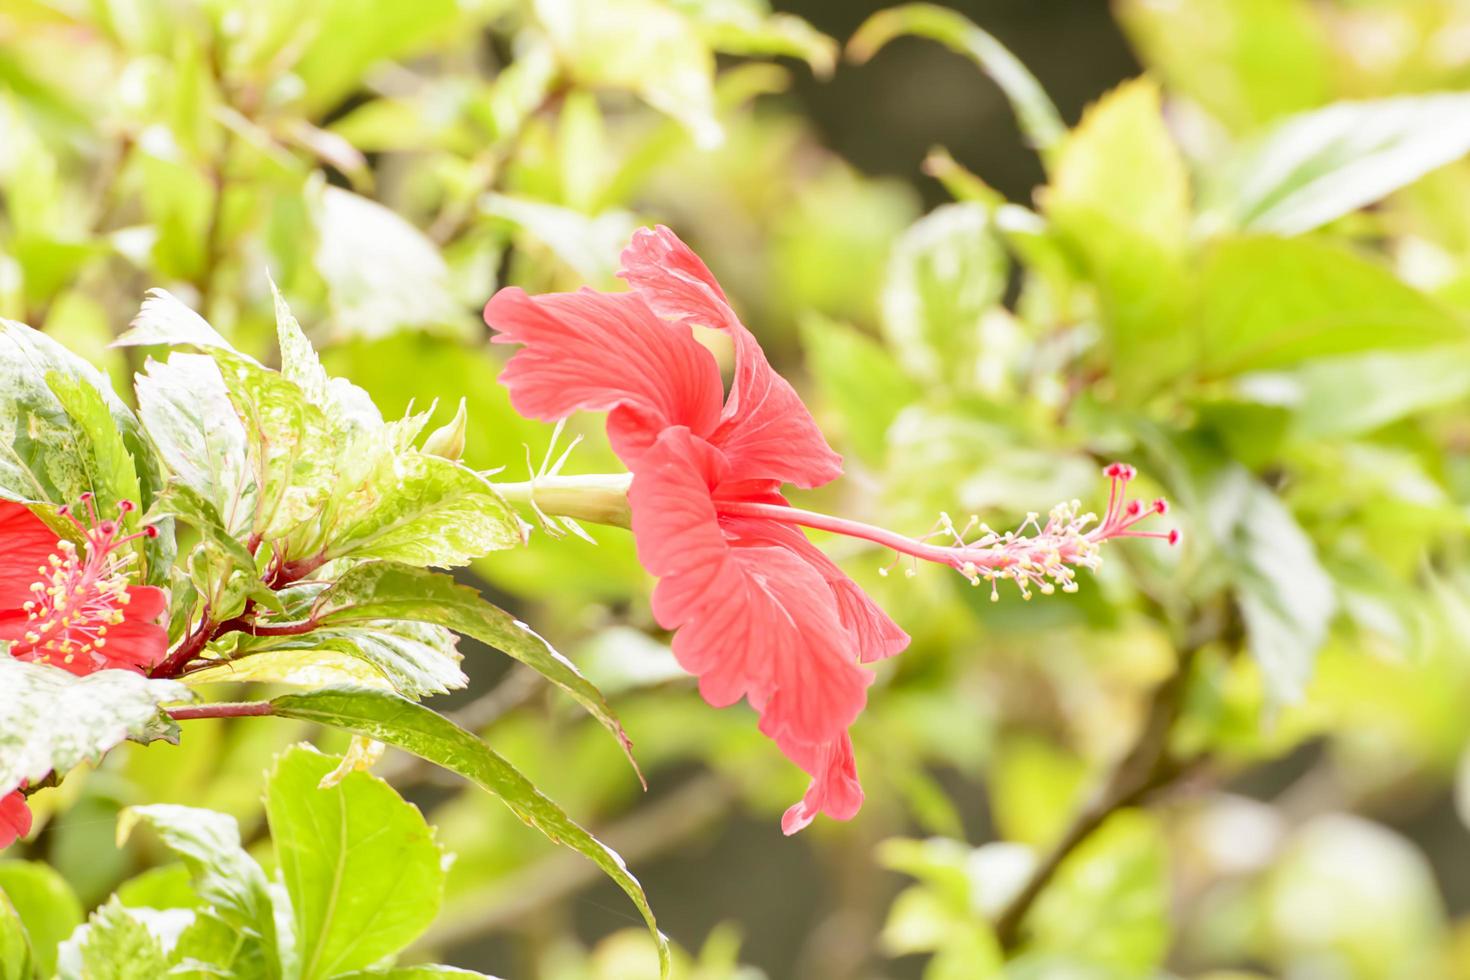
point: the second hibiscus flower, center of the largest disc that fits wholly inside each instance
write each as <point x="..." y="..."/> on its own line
<point x="758" y="612"/>
<point x="72" y="610"/>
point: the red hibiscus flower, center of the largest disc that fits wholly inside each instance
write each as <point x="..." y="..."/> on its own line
<point x="758" y="612"/>
<point x="15" y="819"/>
<point x="72" y="611"/>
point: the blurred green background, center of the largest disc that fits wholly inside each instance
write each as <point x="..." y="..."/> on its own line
<point x="1247" y="272"/>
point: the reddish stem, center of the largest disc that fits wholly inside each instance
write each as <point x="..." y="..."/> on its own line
<point x="208" y="630"/>
<point x="227" y="709"/>
<point x="289" y="629"/>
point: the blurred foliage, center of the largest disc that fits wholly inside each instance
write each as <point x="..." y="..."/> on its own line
<point x="1248" y="272"/>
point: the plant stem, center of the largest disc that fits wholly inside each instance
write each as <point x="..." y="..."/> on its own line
<point x="210" y="630"/>
<point x="1146" y="767"/>
<point x="225" y="709"/>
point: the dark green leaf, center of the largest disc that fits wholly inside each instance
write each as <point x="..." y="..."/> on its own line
<point x="416" y="658"/>
<point x="409" y="726"/>
<point x="384" y="591"/>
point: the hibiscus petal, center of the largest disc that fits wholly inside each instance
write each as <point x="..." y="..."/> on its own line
<point x="765" y="430"/>
<point x="753" y="620"/>
<point x="15" y="819"/>
<point x="873" y="634"/>
<point x="145" y="603"/>
<point x="133" y="645"/>
<point x="25" y="544"/>
<point x="835" y="789"/>
<point x="605" y="352"/>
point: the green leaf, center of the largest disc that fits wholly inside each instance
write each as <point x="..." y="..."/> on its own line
<point x="1037" y="116"/>
<point x="63" y="432"/>
<point x="225" y="877"/>
<point x="166" y="321"/>
<point x="382" y="590"/>
<point x="416" y="658"/>
<point x="351" y="36"/>
<point x="1272" y="302"/>
<point x="1119" y="198"/>
<point x="748" y="27"/>
<point x="1245" y="61"/>
<point x="291" y="445"/>
<point x="163" y="886"/>
<point x="860" y="379"/>
<point x="222" y="568"/>
<point x="409" y="726"/>
<point x="383" y="275"/>
<point x="590" y="245"/>
<point x="16" y="960"/>
<point x="346" y="405"/>
<point x="112" y="469"/>
<point x="114" y="944"/>
<point x="306" y="665"/>
<point x="642" y="46"/>
<point x="209" y="948"/>
<point x="187" y="412"/>
<point x="99" y="711"/>
<point x="1350" y="395"/>
<point x="1285" y="596"/>
<point x="362" y="868"/>
<point x="1318" y="166"/>
<point x="423" y="509"/>
<point x="945" y="273"/>
<point x="48" y="908"/>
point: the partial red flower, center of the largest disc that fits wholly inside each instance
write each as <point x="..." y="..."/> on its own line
<point x="70" y="610"/>
<point x="15" y="819"/>
<point x="758" y="612"/>
<point x="76" y="610"/>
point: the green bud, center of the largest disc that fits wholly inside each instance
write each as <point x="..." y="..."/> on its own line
<point x="448" y="440"/>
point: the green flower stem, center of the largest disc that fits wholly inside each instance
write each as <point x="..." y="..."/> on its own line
<point x="597" y="498"/>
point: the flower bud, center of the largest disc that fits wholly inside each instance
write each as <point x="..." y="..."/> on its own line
<point x="448" y="440"/>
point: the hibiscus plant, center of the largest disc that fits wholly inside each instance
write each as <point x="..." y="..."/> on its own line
<point x="378" y="464"/>
<point x="295" y="537"/>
